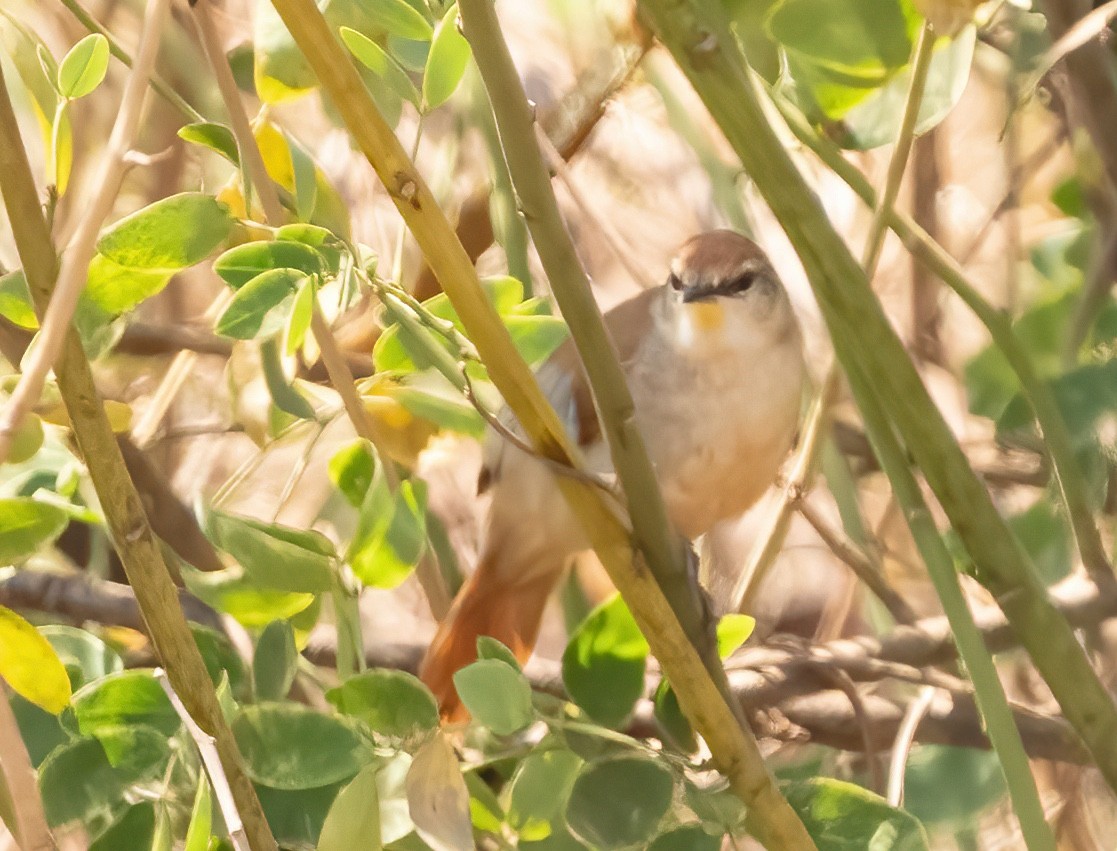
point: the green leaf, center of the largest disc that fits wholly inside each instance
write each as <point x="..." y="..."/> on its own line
<point x="392" y="703"/>
<point x="373" y="57"/>
<point x="84" y="67"/>
<point x="282" y="391"/>
<point x="539" y="790"/>
<point x="296" y="816"/>
<point x="116" y="289"/>
<point x="234" y="593"/>
<point x="33" y="63"/>
<point x="400" y="18"/>
<point x="619" y="803"/>
<point x="876" y="120"/>
<point x="135" y="750"/>
<point x="396" y="351"/>
<point x="15" y="301"/>
<point x="437" y="796"/>
<point x="223" y="662"/>
<point x="27" y="524"/>
<point x="241" y="264"/>
<point x="201" y="817"/>
<point x="305" y="178"/>
<point x="29" y="664"/>
<point x="669" y="715"/>
<point x="275" y="556"/>
<point x="170" y="234"/>
<point x="351" y="469"/>
<point x="1046" y="536"/>
<point x="123" y="698"/>
<point x="489" y="648"/>
<point x="216" y="137"/>
<point x="253" y="311"/>
<point x="446" y="61"/>
<point x="604" y="663"/>
<point x="302" y="311"/>
<point x="133" y="831"/>
<point x="952" y="786"/>
<point x="733" y="630"/>
<point x="26" y="442"/>
<point x="288" y="746"/>
<point x="842" y="816"/>
<point x="536" y="337"/>
<point x="354" y="818"/>
<point x="496" y="695"/>
<point x="312" y="235"/>
<point x="865" y="39"/>
<point x="41" y="731"/>
<point x="429" y="396"/>
<point x="77" y="783"/>
<point x="85" y="656"/>
<point x="690" y="837"/>
<point x="391" y="533"/>
<point x="1086" y="396"/>
<point x="275" y="661"/>
<point x="391" y="788"/>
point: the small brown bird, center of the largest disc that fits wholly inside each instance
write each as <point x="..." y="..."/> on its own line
<point x="714" y="361"/>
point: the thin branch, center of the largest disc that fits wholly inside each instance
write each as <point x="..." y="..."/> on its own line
<point x="18" y="776"/>
<point x="75" y="260"/>
<point x="207" y="749"/>
<point x="905" y="736"/>
<point x="621" y="250"/>
<point x="864" y="567"/>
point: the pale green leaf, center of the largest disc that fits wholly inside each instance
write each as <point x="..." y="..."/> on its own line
<point x="83" y="68"/>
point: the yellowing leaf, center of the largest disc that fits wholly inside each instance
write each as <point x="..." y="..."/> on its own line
<point x="30" y="665"/>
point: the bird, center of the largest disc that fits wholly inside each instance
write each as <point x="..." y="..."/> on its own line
<point x="713" y="358"/>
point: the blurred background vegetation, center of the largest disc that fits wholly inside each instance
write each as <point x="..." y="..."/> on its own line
<point x="236" y="436"/>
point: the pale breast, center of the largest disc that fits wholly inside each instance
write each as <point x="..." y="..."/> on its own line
<point x="718" y="411"/>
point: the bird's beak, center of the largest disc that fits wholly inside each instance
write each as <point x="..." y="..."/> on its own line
<point x="695" y="294"/>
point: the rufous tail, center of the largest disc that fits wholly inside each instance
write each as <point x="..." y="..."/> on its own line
<point x="488" y="604"/>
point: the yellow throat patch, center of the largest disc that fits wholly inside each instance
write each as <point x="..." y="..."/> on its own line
<point x="707" y="315"/>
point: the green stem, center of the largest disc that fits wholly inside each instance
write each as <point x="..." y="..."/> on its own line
<point x="139" y="551"/>
<point x="988" y="691"/>
<point x="698" y="35"/>
<point x="1068" y="473"/>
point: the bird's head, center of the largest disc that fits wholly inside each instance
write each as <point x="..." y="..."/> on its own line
<point x="720" y="278"/>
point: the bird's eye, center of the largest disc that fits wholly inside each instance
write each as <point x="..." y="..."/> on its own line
<point x="674" y="281"/>
<point x="741" y="283"/>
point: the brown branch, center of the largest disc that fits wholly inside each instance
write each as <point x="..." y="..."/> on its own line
<point x="789" y="682"/>
<point x="859" y="561"/>
<point x="77" y="598"/>
<point x="146" y="339"/>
